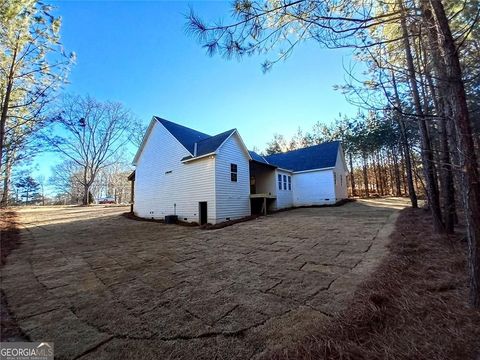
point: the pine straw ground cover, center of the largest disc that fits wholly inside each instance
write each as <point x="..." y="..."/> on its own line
<point x="414" y="306"/>
<point x="9" y="234"/>
<point x="9" y="240"/>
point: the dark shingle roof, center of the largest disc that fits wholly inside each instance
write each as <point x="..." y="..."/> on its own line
<point x="186" y="136"/>
<point x="206" y="144"/>
<point x="313" y="157"/>
<point x="212" y="143"/>
<point x="257" y="157"/>
<point x="309" y="158"/>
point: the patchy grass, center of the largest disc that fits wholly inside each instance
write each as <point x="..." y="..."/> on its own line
<point x="414" y="306"/>
<point x="9" y="240"/>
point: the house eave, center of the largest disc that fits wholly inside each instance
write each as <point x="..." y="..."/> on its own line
<point x="312" y="170"/>
<point x="286" y="170"/>
<point x="263" y="163"/>
<point x="199" y="157"/>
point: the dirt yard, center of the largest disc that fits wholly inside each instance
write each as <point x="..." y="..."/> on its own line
<point x="102" y="286"/>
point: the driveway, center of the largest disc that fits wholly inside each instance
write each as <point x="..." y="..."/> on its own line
<point x="101" y="286"/>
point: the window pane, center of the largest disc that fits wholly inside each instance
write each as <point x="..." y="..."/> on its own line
<point x="284" y="182"/>
<point x="233" y="167"/>
<point x="279" y="182"/>
<point x="233" y="176"/>
<point x="289" y="183"/>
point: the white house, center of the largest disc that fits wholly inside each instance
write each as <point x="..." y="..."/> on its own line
<point x="210" y="179"/>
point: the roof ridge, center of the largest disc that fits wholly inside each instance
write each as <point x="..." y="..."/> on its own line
<point x="222" y="133"/>
<point x="306" y="147"/>
<point x="186" y="136"/>
<point x="177" y="124"/>
<point x="318" y="156"/>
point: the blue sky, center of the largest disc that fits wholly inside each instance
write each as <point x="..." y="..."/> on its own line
<point x="138" y="53"/>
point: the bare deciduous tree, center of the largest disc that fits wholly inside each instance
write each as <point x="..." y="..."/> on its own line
<point x="94" y="135"/>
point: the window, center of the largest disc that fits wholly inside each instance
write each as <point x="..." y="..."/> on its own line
<point x="233" y="172"/>
<point x="335" y="178"/>
<point x="284" y="182"/>
<point x="341" y="180"/>
<point x="289" y="183"/>
<point x="279" y="182"/>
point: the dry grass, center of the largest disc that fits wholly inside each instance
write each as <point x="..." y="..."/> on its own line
<point x="413" y="307"/>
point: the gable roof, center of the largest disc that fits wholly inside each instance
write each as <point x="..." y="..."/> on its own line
<point x="186" y="136"/>
<point x="197" y="143"/>
<point x="309" y="158"/>
<point x="209" y="145"/>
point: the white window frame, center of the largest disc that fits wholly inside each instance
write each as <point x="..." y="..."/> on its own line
<point x="233" y="172"/>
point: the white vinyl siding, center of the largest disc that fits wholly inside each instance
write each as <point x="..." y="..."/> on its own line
<point x="162" y="180"/>
<point x="341" y="173"/>
<point x="233" y="197"/>
<point x="313" y="188"/>
<point x="266" y="182"/>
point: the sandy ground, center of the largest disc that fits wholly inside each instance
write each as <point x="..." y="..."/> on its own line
<point x="101" y="286"/>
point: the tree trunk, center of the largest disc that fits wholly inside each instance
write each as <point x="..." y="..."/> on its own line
<point x="406" y="147"/>
<point x="6" y="183"/>
<point x="381" y="177"/>
<point x="396" y="168"/>
<point x="467" y="156"/>
<point x="448" y="190"/>
<point x="403" y="170"/>
<point x="426" y="151"/>
<point x="5" y="104"/>
<point x="365" y="177"/>
<point x="375" y="170"/>
<point x="440" y="98"/>
<point x="86" y="194"/>
<point x="352" y="178"/>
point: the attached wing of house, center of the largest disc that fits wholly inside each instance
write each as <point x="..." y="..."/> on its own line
<point x="203" y="178"/>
